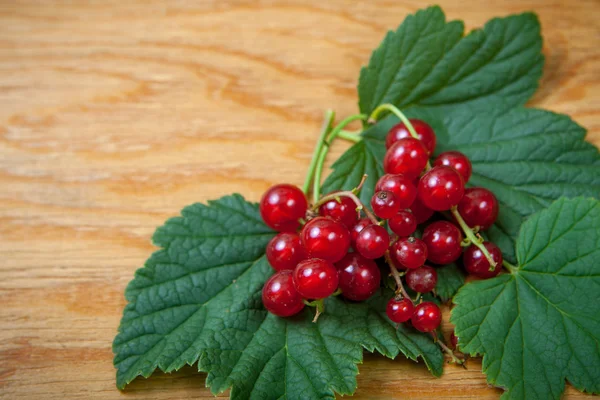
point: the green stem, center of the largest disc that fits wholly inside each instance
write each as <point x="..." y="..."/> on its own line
<point x="471" y="236"/>
<point x="512" y="268"/>
<point x="325" y="149"/>
<point x="352" y="137"/>
<point x="446" y="349"/>
<point x="394" y="110"/>
<point x="325" y="128"/>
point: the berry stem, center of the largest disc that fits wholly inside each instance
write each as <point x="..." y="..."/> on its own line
<point x="325" y="128"/>
<point x="352" y="137"/>
<point x="446" y="349"/>
<point x="396" y="275"/>
<point x="400" y="115"/>
<point x="471" y="236"/>
<point x="353" y="197"/>
<point x="325" y="149"/>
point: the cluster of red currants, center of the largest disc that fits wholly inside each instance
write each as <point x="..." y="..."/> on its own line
<point x="313" y="259"/>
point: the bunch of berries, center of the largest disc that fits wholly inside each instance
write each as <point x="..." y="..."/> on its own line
<point x="331" y="247"/>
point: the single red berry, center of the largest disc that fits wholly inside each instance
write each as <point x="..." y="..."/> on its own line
<point x="282" y="206"/>
<point x="409" y="252"/>
<point x="343" y="211"/>
<point x="360" y="225"/>
<point x="407" y="156"/>
<point x="422" y="279"/>
<point x="359" y="277"/>
<point x="279" y="295"/>
<point x="443" y="241"/>
<point x="478" y="265"/>
<point x="426" y="317"/>
<point x="402" y="187"/>
<point x="384" y="204"/>
<point x="421" y="212"/>
<point x="285" y="251"/>
<point x="315" y="278"/>
<point x="456" y="160"/>
<point x="441" y="188"/>
<point x="454" y="341"/>
<point x="325" y="238"/>
<point x="373" y="241"/>
<point x="403" y="224"/>
<point x="478" y="207"/>
<point x="399" y="310"/>
<point x="424" y="132"/>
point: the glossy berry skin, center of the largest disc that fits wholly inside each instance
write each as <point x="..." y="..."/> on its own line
<point x="422" y="279"/>
<point x="426" y="317"/>
<point x="282" y="206"/>
<point x="421" y="212"/>
<point x="409" y="252"/>
<point x="403" y="223"/>
<point x="443" y="240"/>
<point x="456" y="160"/>
<point x="373" y="241"/>
<point x="358" y="277"/>
<point x="285" y="251"/>
<point x="325" y="238"/>
<point x="279" y="296"/>
<point x="407" y="156"/>
<point x="441" y="188"/>
<point x="315" y="278"/>
<point x="477" y="264"/>
<point x="384" y="204"/>
<point x="478" y="207"/>
<point x="402" y="187"/>
<point x="343" y="211"/>
<point x="360" y="225"/>
<point x="399" y="310"/>
<point x="454" y="341"/>
<point x="424" y="132"/>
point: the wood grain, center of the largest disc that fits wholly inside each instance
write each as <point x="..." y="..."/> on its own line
<point x="115" y="114"/>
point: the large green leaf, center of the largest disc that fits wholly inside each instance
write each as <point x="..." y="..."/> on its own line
<point x="527" y="157"/>
<point x="427" y="62"/>
<point x="540" y="325"/>
<point x="199" y="299"/>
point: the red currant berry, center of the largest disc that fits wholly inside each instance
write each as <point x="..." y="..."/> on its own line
<point x="402" y="187"/>
<point x="315" y="278"/>
<point x="373" y="241"/>
<point x="443" y="241"/>
<point x="478" y="265"/>
<point x="282" y="206"/>
<point x="359" y="277"/>
<point x="454" y="341"/>
<point x="441" y="188"/>
<point x="279" y="295"/>
<point x="409" y="252"/>
<point x="399" y="310"/>
<point x="360" y="225"/>
<point x="421" y="212"/>
<point x="422" y="279"/>
<point x="456" y="160"/>
<point x="384" y="204"/>
<point x="478" y="207"/>
<point x="424" y="132"/>
<point x="324" y="238"/>
<point x="343" y="211"/>
<point x="426" y="317"/>
<point x="403" y="224"/>
<point x="285" y="251"/>
<point x="407" y="156"/>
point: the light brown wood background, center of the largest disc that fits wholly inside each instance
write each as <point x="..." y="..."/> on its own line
<point x="115" y="114"/>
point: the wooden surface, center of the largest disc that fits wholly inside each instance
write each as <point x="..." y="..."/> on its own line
<point x="115" y="114"/>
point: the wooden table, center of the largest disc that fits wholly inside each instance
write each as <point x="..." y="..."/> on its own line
<point x="116" y="114"/>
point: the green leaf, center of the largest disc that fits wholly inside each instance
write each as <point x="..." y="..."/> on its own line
<point x="198" y="299"/>
<point x="450" y="279"/>
<point x="527" y="157"/>
<point x="540" y="325"/>
<point x="427" y="62"/>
